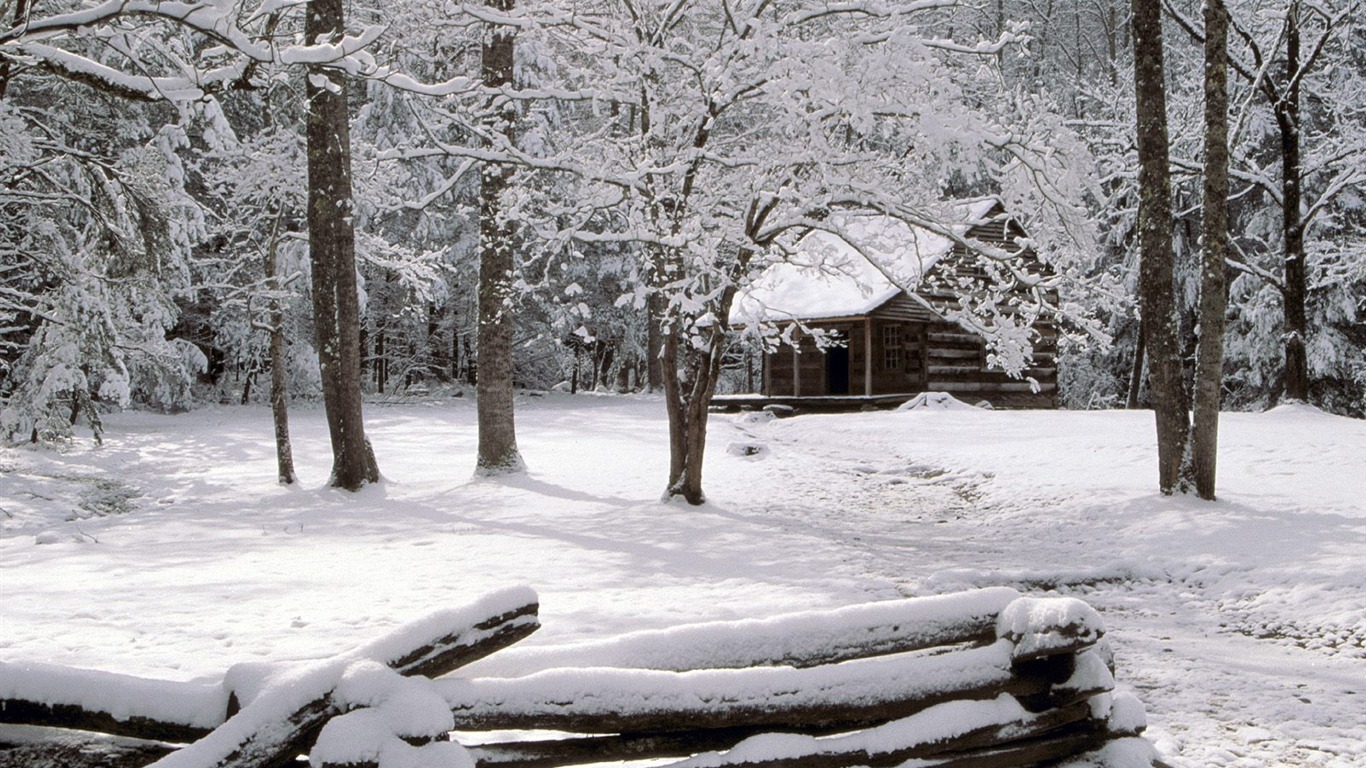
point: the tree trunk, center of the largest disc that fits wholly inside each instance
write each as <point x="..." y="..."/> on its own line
<point x="1136" y="373"/>
<point x="689" y="380"/>
<point x="654" y="347"/>
<point x="332" y="249"/>
<point x="1156" y="257"/>
<point x="1294" y="293"/>
<point x="21" y="11"/>
<point x="246" y="389"/>
<point x="497" y="431"/>
<point x="381" y="363"/>
<point x="279" y="387"/>
<point x="1209" y="356"/>
<point x="279" y="406"/>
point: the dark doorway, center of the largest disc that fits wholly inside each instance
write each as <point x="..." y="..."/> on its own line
<point x="837" y="370"/>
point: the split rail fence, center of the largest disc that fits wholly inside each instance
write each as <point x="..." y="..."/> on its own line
<point x="981" y="679"/>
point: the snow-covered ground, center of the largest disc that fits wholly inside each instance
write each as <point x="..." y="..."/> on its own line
<point x="171" y="553"/>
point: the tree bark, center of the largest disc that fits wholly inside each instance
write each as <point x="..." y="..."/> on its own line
<point x="1295" y="291"/>
<point x="21" y="11"/>
<point x="1136" y="372"/>
<point x="973" y="747"/>
<point x="654" y="349"/>
<point x="332" y="249"/>
<point x="1209" y="356"/>
<point x="498" y="452"/>
<point x="278" y="743"/>
<point x="690" y="376"/>
<point x="279" y="386"/>
<point x="874" y="691"/>
<point x="1156" y="256"/>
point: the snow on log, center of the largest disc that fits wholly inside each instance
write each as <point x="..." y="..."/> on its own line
<point x="804" y="639"/>
<point x="1044" y="626"/>
<point x="1046" y="750"/>
<point x="548" y="753"/>
<point x="365" y="739"/>
<point x="957" y="726"/>
<point x="122" y="705"/>
<point x="32" y="693"/>
<point x="25" y="746"/>
<point x="637" y="701"/>
<point x="460" y="636"/>
<point x="285" y="716"/>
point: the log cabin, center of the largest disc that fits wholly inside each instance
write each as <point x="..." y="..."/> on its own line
<point x="855" y="334"/>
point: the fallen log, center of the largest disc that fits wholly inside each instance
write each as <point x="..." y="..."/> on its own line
<point x="24" y="746"/>
<point x="804" y="639"/>
<point x="954" y="728"/>
<point x="459" y="641"/>
<point x="160" y="710"/>
<point x="546" y="753"/>
<point x="285" y="717"/>
<point x="996" y="723"/>
<point x="105" y="702"/>
<point x="1047" y="750"/>
<point x="844" y="695"/>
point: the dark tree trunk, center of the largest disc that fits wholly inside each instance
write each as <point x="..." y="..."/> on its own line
<point x="498" y="452"/>
<point x="21" y="10"/>
<point x="1294" y="293"/>
<point x="279" y="387"/>
<point x="332" y="249"/>
<point x="1156" y="288"/>
<point x="246" y="388"/>
<point x="603" y="366"/>
<point x="689" y="379"/>
<point x="1209" y="356"/>
<point x="381" y="363"/>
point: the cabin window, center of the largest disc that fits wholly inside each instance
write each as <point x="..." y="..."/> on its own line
<point x="891" y="348"/>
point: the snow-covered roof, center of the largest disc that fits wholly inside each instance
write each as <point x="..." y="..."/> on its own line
<point x="830" y="275"/>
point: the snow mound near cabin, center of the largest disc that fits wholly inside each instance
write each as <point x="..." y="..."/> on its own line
<point x="939" y="401"/>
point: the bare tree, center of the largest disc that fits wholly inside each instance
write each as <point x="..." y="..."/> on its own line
<point x="279" y="387"/>
<point x="1157" y="258"/>
<point x="498" y="452"/>
<point x="1305" y="171"/>
<point x="1295" y="290"/>
<point x="1209" y="361"/>
<point x="332" y="249"/>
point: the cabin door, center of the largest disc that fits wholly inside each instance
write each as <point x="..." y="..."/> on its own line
<point x="837" y="369"/>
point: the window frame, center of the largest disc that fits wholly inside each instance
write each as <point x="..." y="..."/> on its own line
<point x="893" y="347"/>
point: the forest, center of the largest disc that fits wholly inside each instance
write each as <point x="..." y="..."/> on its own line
<point x="251" y="201"/>
<point x="530" y="238"/>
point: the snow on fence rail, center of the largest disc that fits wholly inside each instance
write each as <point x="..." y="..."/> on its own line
<point x="984" y="678"/>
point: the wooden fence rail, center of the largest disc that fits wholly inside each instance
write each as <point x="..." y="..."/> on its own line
<point x="988" y="679"/>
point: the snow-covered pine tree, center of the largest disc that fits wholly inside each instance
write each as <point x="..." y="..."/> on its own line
<point x="96" y="229"/>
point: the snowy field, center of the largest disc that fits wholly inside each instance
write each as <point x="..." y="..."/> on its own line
<point x="170" y="552"/>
